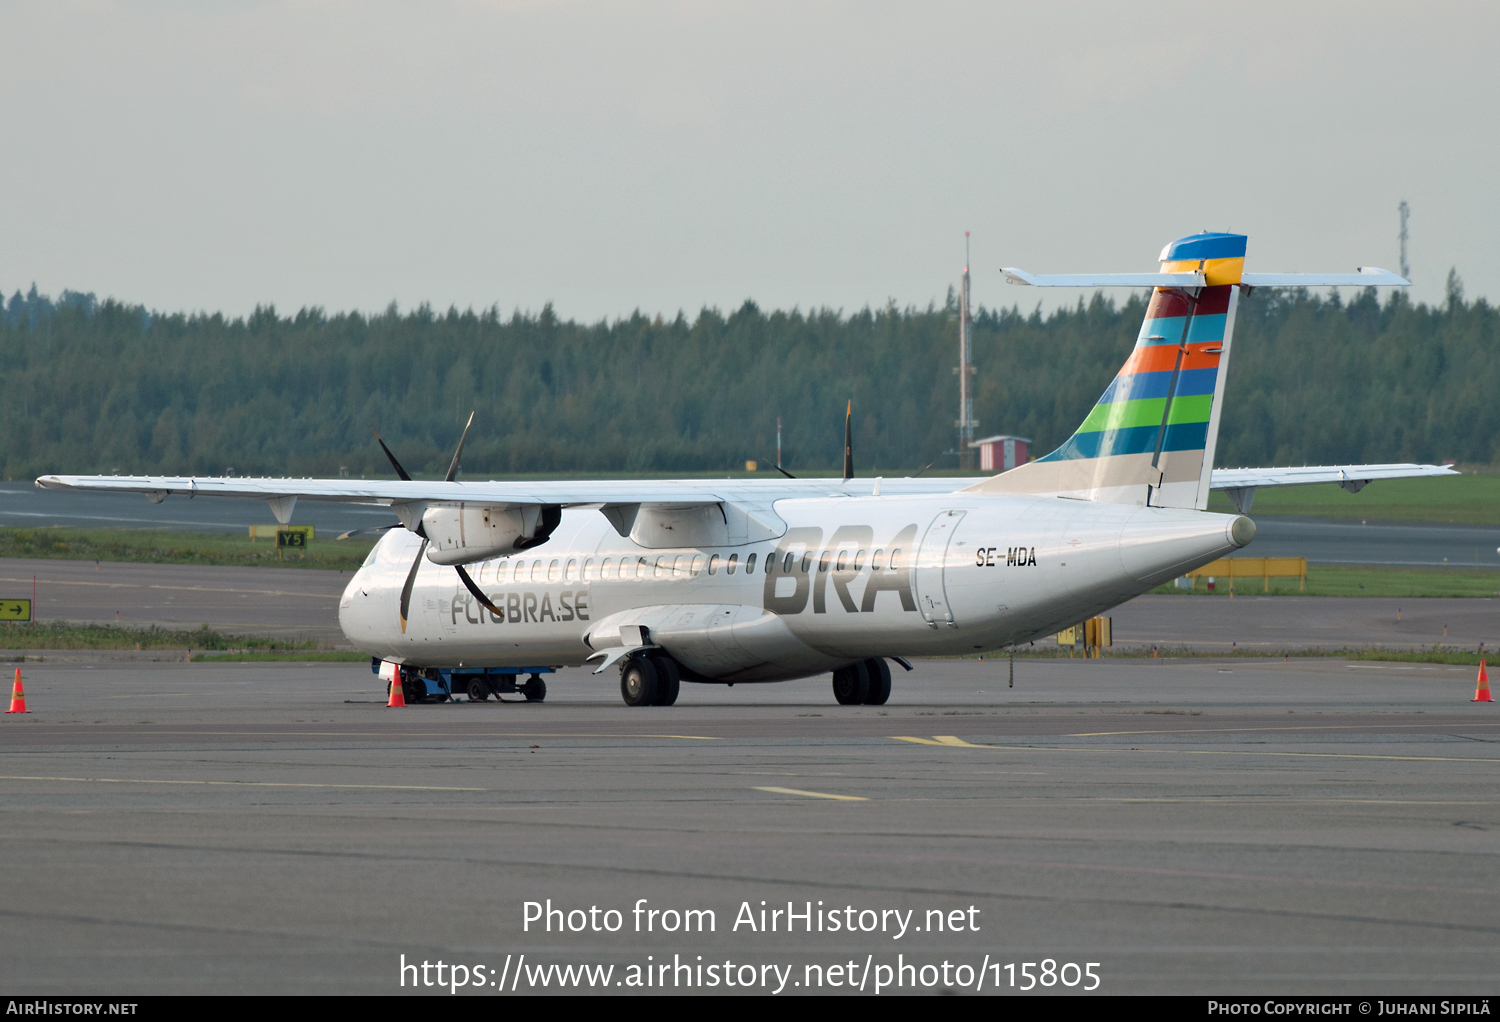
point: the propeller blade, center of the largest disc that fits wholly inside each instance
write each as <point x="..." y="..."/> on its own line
<point x="411" y="578"/>
<point x="400" y="472"/>
<point x="924" y="468"/>
<point x="361" y="532"/>
<point x="848" y="443"/>
<point x="453" y="467"/>
<point x="484" y="600"/>
<point x="783" y="471"/>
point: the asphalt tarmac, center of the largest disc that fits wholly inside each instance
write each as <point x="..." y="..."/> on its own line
<point x="280" y="602"/>
<point x="1192" y="826"/>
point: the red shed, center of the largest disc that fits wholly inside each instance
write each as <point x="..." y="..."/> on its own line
<point x="998" y="453"/>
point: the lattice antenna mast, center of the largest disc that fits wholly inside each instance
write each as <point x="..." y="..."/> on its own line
<point x="966" y="423"/>
<point x="1405" y="212"/>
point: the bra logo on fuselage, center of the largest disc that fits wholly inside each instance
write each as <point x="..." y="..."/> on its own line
<point x="798" y="556"/>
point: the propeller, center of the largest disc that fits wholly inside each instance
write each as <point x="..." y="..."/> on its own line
<point x="848" y="447"/>
<point x="848" y="443"/>
<point x="411" y="576"/>
<point x="364" y="532"/>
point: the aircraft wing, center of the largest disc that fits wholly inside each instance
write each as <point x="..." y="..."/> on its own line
<point x="1240" y="484"/>
<point x="566" y="493"/>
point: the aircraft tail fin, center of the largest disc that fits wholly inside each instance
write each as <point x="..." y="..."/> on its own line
<point x="1150" y="438"/>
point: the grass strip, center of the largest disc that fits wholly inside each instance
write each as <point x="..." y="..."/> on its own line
<point x="1435" y="655"/>
<point x="154" y="546"/>
<point x="1467" y="499"/>
<point x="67" y="635"/>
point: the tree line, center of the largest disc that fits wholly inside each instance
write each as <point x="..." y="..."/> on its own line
<point x="103" y="386"/>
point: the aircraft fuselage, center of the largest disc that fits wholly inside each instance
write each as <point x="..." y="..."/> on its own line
<point x="848" y="578"/>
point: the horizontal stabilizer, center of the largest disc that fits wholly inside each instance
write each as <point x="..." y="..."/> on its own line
<point x="1368" y="276"/>
<point x="1229" y="478"/>
<point x="1015" y="276"/>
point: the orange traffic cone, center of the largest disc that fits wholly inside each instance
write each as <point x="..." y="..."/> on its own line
<point x="18" y="696"/>
<point x="398" y="697"/>
<point x="1481" y="692"/>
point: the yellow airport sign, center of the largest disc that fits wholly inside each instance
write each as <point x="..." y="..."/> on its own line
<point x="15" y="610"/>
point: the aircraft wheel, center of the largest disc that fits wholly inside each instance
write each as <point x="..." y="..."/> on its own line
<point x="535" y="689"/>
<point x="413" y="690"/>
<point x="668" y="681"/>
<point x="880" y="682"/>
<point x="638" y="682"/>
<point x="850" y="684"/>
<point x="479" y="690"/>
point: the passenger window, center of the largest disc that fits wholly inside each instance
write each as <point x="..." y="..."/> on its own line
<point x="536" y="571"/>
<point x="588" y="570"/>
<point x="786" y="563"/>
<point x="895" y="554"/>
<point x="859" y="558"/>
<point x="641" y="564"/>
<point x="713" y="564"/>
<point x="749" y="565"/>
<point x="500" y="570"/>
<point x="661" y="565"/>
<point x="842" y="561"/>
<point x="520" y="567"/>
<point x="734" y="563"/>
<point x="875" y="560"/>
<point x="677" y="566"/>
<point x="823" y="561"/>
<point x="570" y="570"/>
<point x="696" y="568"/>
<point x="604" y="567"/>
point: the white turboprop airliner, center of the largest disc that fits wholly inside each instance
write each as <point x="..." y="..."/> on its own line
<point x="751" y="581"/>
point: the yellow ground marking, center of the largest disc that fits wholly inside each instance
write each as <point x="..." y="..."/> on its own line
<point x="242" y="784"/>
<point x="952" y="742"/>
<point x="813" y="794"/>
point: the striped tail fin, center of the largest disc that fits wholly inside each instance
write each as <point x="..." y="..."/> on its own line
<point x="1150" y="438"/>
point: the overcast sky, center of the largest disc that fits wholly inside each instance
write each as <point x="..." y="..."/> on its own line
<point x="614" y="156"/>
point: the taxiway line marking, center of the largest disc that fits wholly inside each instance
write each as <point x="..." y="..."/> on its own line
<point x="813" y="794"/>
<point x="242" y="784"/>
<point x="951" y="741"/>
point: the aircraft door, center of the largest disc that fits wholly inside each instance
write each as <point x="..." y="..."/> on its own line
<point x="932" y="594"/>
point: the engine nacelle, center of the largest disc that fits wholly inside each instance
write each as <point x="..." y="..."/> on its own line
<point x="476" y="532"/>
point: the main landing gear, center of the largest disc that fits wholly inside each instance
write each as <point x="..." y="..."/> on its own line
<point x="866" y="683"/>
<point x="649" y="681"/>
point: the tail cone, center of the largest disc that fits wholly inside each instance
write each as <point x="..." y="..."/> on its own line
<point x="18" y="696"/>
<point x="1481" y="691"/>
